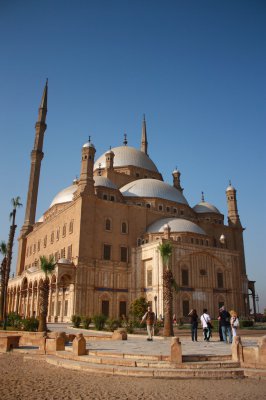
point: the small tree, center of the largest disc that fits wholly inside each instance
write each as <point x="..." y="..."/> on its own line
<point x="138" y="308"/>
<point x="47" y="267"/>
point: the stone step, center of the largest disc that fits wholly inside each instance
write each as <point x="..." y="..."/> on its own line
<point x="219" y="373"/>
<point x="154" y="357"/>
<point x="255" y="373"/>
<point x="145" y="363"/>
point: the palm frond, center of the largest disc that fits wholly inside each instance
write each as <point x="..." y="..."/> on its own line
<point x="16" y="202"/>
<point x="165" y="250"/>
<point x="47" y="265"/>
<point x="3" y="248"/>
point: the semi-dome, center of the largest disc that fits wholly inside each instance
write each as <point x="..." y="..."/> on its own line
<point x="125" y="156"/>
<point x="176" y="225"/>
<point x="67" y="194"/>
<point x="64" y="196"/>
<point x="103" y="181"/>
<point x="153" y="188"/>
<point x="205" y="207"/>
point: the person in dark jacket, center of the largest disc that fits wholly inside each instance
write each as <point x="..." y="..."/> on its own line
<point x="194" y="325"/>
<point x="225" y="325"/>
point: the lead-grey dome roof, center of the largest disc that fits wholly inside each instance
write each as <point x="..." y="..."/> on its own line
<point x="103" y="181"/>
<point x="66" y="194"/>
<point x="153" y="188"/>
<point x="126" y="155"/>
<point x="205" y="207"/>
<point x="176" y="225"/>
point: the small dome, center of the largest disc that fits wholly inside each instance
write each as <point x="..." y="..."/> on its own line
<point x="230" y="187"/>
<point x="176" y="225"/>
<point x="88" y="144"/>
<point x="64" y="261"/>
<point x="153" y="188"/>
<point x="205" y="207"/>
<point x="125" y="156"/>
<point x="103" y="181"/>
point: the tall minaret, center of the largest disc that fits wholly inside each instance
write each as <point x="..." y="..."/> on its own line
<point x="144" y="142"/>
<point x="233" y="217"/>
<point x="36" y="159"/>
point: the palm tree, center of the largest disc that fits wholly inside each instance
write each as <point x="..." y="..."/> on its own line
<point x="3" y="251"/>
<point x="47" y="266"/>
<point x="165" y="249"/>
<point x="15" y="203"/>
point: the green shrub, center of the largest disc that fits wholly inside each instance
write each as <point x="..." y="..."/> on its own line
<point x="112" y="324"/>
<point x="14" y="320"/>
<point x="76" y="319"/>
<point x="127" y="325"/>
<point x="86" y="321"/>
<point x="246" y="323"/>
<point x="138" y="308"/>
<point x="99" y="321"/>
<point x="29" y="324"/>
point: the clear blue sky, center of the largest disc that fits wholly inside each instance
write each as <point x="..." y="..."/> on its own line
<point x="195" y="68"/>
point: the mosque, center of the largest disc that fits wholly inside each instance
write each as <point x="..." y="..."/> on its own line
<point x="103" y="232"/>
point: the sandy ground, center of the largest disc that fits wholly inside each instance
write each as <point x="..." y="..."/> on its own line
<point x="22" y="378"/>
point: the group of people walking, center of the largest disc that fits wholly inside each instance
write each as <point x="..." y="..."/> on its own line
<point x="228" y="324"/>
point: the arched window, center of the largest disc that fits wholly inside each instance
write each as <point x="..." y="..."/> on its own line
<point x="184" y="276"/>
<point x="220" y="280"/>
<point x="124" y="227"/>
<point x="108" y="224"/>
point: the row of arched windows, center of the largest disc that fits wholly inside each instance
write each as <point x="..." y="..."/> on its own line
<point x="108" y="225"/>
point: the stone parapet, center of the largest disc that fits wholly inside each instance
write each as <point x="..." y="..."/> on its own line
<point x="79" y="345"/>
<point x="119" y="334"/>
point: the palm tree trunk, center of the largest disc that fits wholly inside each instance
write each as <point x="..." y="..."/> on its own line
<point x="8" y="265"/>
<point x="168" y="303"/>
<point x="3" y="280"/>
<point x="44" y="299"/>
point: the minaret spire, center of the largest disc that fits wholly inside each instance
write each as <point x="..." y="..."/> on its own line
<point x="144" y="142"/>
<point x="36" y="159"/>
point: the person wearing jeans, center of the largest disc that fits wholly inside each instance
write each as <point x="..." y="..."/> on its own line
<point x="225" y="325"/>
<point x="194" y="324"/>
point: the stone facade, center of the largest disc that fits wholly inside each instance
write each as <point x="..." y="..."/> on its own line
<point x="104" y="232"/>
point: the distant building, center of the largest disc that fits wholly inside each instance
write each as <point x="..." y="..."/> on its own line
<point x="104" y="230"/>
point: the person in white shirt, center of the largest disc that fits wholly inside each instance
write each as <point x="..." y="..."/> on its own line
<point x="205" y="320"/>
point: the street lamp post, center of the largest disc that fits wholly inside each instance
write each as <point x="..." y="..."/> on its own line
<point x="155" y="301"/>
<point x="257" y="300"/>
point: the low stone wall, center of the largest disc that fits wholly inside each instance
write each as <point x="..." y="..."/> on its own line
<point x="249" y="356"/>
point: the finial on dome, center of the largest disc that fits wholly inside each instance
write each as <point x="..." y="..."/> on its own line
<point x="144" y="117"/>
<point x="125" y="139"/>
<point x="230" y="184"/>
<point x="110" y="147"/>
<point x="202" y="196"/>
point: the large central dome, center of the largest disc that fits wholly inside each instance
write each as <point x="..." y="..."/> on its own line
<point x="126" y="156"/>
